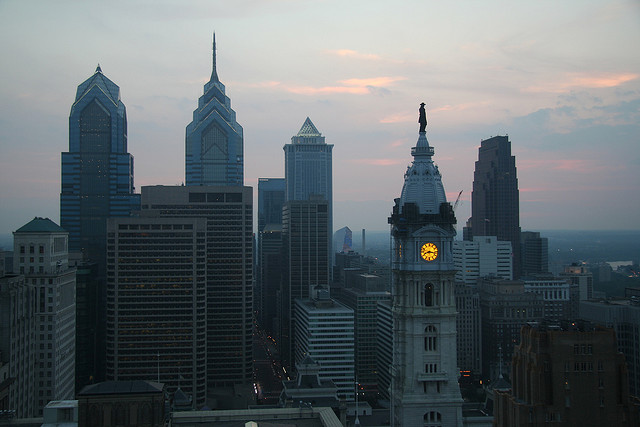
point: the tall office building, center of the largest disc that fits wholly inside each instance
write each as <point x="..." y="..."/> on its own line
<point x="324" y="331"/>
<point x="424" y="388"/>
<point x="308" y="168"/>
<point x="495" y="203"/>
<point x="97" y="183"/>
<point x="214" y="140"/>
<point x="269" y="259"/>
<point x="97" y="171"/>
<point x="41" y="254"/>
<point x="305" y="233"/>
<point x="535" y="253"/>
<point x="484" y="256"/>
<point x="228" y="211"/>
<point x="156" y="303"/>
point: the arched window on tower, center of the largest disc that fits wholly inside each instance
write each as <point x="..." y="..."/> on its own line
<point x="428" y="295"/>
<point x="432" y="419"/>
<point x="430" y="338"/>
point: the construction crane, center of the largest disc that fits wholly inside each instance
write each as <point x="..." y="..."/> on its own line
<point x="455" y="205"/>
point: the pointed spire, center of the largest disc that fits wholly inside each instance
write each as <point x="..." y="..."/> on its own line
<point x="98" y="69"/>
<point x="214" y="73"/>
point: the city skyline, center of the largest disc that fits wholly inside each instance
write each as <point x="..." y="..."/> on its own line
<point x="558" y="79"/>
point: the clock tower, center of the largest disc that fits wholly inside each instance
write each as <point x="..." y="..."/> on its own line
<point x="424" y="386"/>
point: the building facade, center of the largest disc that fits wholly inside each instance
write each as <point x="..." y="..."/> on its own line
<point x="573" y="377"/>
<point x="324" y="331"/>
<point x="42" y="255"/>
<point x="579" y="275"/>
<point x="305" y="237"/>
<point x="483" y="256"/>
<point x="214" y="153"/>
<point x="156" y="303"/>
<point x="228" y="211"/>
<point x="495" y="202"/>
<point x="424" y="389"/>
<point x="535" y="253"/>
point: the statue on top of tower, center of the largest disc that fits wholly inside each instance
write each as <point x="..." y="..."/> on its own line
<point x="423" y="118"/>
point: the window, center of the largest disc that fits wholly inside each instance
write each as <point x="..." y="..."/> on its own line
<point x="431" y="338"/>
<point x="428" y="294"/>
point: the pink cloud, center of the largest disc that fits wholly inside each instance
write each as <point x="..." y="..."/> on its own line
<point x="399" y="118"/>
<point x="377" y="162"/>
<point x="595" y="81"/>
<point x="351" y="86"/>
<point x="354" y="54"/>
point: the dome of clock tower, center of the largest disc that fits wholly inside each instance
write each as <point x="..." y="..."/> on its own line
<point x="422" y="180"/>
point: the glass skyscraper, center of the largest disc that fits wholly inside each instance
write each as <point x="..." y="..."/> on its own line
<point x="214" y="141"/>
<point x="97" y="171"/>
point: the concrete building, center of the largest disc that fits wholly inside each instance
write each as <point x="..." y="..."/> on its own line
<point x="156" y="303"/>
<point x="495" y="202"/>
<point x="305" y="237"/>
<point x="228" y="211"/>
<point x="560" y="297"/>
<point x="307" y="387"/>
<point x="41" y="250"/>
<point x="384" y="348"/>
<point x="469" y="330"/>
<point x="424" y="388"/>
<point x="325" y="331"/>
<point x="19" y="359"/>
<point x="483" y="256"/>
<point x="573" y="376"/>
<point x="214" y="152"/>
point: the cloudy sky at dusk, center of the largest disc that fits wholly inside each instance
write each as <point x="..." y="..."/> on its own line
<point x="562" y="79"/>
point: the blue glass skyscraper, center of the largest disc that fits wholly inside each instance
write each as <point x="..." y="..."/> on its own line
<point x="97" y="172"/>
<point x="214" y="141"/>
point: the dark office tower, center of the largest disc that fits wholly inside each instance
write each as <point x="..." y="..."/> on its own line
<point x="270" y="201"/>
<point x="228" y="211"/>
<point x="535" y="253"/>
<point x="214" y="141"/>
<point x="156" y="303"/>
<point x="424" y="373"/>
<point x="97" y="179"/>
<point x="87" y="326"/>
<point x="97" y="172"/>
<point x="495" y="205"/>
<point x="308" y="168"/>
<point x="305" y="236"/>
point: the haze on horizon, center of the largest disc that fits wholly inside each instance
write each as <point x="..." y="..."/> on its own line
<point x="561" y="79"/>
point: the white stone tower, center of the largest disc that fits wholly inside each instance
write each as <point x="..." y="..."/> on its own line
<point x="424" y="388"/>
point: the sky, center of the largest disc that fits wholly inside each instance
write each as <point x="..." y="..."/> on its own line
<point x="562" y="79"/>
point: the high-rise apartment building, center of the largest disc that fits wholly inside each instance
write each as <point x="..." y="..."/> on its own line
<point x="228" y="211"/>
<point x="97" y="171"/>
<point x="324" y="331"/>
<point x="19" y="358"/>
<point x="42" y="255"/>
<point x="566" y="376"/>
<point x="484" y="256"/>
<point x="424" y="389"/>
<point x="384" y="349"/>
<point x="495" y="203"/>
<point x="214" y="139"/>
<point x="469" y="329"/>
<point x="156" y="303"/>
<point x="308" y="168"/>
<point x="271" y="197"/>
<point x="305" y="233"/>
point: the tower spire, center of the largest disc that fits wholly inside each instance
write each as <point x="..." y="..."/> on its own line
<point x="214" y="73"/>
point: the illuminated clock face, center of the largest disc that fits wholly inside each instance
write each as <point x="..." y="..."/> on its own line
<point x="429" y="252"/>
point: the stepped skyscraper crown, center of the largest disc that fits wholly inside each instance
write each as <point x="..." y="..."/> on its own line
<point x="214" y="140"/>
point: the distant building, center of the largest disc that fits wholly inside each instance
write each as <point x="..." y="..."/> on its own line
<point x="122" y="403"/>
<point x="214" y="153"/>
<point x="495" y="203"/>
<point x="566" y="376"/>
<point x="560" y="297"/>
<point x="343" y="240"/>
<point x="469" y="329"/>
<point x="578" y="274"/>
<point x="156" y="303"/>
<point x="535" y="253"/>
<point x="384" y="347"/>
<point x="42" y="255"/>
<point x="305" y="237"/>
<point x="324" y="330"/>
<point x="484" y="256"/>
